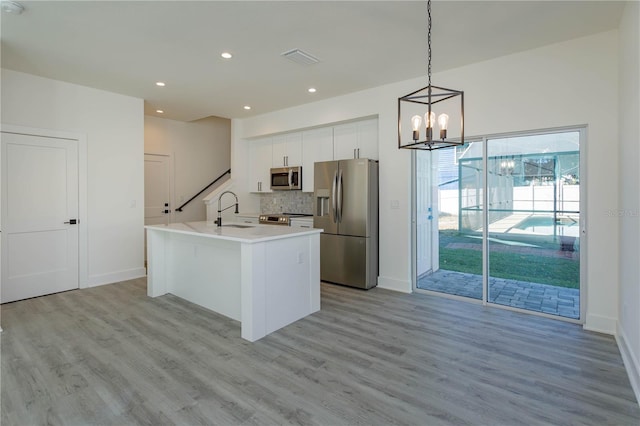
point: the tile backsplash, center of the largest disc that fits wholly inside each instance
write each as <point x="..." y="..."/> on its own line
<point x="286" y="202"/>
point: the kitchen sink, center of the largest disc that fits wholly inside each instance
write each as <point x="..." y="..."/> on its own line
<point x="238" y="226"/>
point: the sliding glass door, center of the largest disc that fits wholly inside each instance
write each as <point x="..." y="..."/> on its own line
<point x="449" y="222"/>
<point x="533" y="211"/>
<point x="498" y="220"/>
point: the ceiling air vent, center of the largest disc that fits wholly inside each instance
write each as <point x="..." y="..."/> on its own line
<point x="301" y="57"/>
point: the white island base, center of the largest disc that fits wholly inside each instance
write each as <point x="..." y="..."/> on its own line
<point x="264" y="276"/>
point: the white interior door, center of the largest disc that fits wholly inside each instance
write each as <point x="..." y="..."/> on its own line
<point x="157" y="208"/>
<point x="39" y="216"/>
<point x="157" y="205"/>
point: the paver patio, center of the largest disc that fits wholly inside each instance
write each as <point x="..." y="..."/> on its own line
<point x="537" y="297"/>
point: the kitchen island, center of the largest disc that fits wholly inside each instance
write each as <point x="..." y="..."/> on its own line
<point x="264" y="276"/>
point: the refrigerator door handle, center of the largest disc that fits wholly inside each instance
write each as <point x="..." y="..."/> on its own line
<point x="333" y="197"/>
<point x="340" y="196"/>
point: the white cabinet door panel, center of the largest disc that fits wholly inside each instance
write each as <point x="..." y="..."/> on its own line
<point x="345" y="141"/>
<point x="287" y="150"/>
<point x="279" y="151"/>
<point x="317" y="145"/>
<point x="368" y="139"/>
<point x="356" y="140"/>
<point x="260" y="153"/>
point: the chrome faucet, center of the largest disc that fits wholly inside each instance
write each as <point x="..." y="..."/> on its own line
<point x="220" y="209"/>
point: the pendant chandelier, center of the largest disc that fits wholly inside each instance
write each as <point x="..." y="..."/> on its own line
<point x="418" y="110"/>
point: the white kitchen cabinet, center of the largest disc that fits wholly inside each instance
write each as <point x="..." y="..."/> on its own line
<point x="358" y="139"/>
<point x="266" y="279"/>
<point x="302" y="222"/>
<point x="317" y="145"/>
<point x="260" y="158"/>
<point x="287" y="150"/>
<point x="345" y="141"/>
<point x="247" y="218"/>
<point x="367" y="134"/>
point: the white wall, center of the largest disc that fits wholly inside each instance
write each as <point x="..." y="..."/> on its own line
<point x="200" y="152"/>
<point x="553" y="86"/>
<point x="113" y="125"/>
<point x="629" y="212"/>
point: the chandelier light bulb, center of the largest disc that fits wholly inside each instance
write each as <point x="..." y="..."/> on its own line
<point x="416" y="121"/>
<point x="443" y="121"/>
<point x="430" y="119"/>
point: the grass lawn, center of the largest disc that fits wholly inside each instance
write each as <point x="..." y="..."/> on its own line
<point x="522" y="267"/>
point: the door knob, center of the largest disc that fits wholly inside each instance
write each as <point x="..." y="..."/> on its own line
<point x="71" y="222"/>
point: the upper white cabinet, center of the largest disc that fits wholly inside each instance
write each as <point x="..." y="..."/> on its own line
<point x="356" y="140"/>
<point x="260" y="154"/>
<point x="345" y="141"/>
<point x="317" y="145"/>
<point x="287" y="150"/>
<point x="367" y="131"/>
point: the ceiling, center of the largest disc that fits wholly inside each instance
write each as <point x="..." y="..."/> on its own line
<point x="125" y="47"/>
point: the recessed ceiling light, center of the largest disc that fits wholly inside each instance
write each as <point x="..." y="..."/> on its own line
<point x="226" y="55"/>
<point x="312" y="90"/>
<point x="160" y="84"/>
<point x="247" y="107"/>
<point x="159" y="111"/>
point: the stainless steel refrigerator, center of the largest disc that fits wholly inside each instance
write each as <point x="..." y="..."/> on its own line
<point x="346" y="208"/>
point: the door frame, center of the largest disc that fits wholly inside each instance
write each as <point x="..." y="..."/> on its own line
<point x="81" y="140"/>
<point x="582" y="129"/>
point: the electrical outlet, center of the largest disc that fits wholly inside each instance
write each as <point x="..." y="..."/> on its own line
<point x="300" y="258"/>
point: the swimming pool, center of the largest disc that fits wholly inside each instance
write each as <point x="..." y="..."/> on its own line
<point x="546" y="225"/>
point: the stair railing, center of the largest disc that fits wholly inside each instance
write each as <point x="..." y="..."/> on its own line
<point x="179" y="209"/>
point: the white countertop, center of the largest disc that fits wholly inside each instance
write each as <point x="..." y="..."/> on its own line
<point x="253" y="233"/>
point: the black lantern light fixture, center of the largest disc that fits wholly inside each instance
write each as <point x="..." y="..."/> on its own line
<point x="430" y="102"/>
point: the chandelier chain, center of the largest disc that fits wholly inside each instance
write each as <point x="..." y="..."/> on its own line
<point x="429" y="41"/>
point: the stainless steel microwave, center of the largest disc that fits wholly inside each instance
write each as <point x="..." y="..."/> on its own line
<point x="286" y="178"/>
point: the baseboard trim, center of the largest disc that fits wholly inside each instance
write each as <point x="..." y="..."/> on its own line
<point x="114" y="277"/>
<point x="394" y="284"/>
<point x="600" y="324"/>
<point x="630" y="361"/>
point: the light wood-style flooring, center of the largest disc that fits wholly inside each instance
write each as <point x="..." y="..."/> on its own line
<point x="112" y="356"/>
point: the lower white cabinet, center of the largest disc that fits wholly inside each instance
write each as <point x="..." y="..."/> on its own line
<point x="244" y="218"/>
<point x="302" y="222"/>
